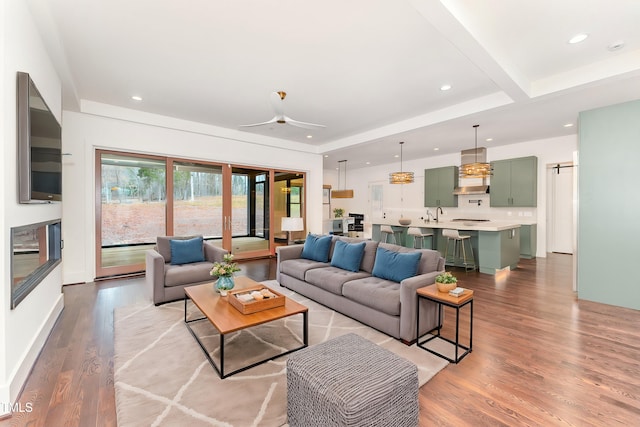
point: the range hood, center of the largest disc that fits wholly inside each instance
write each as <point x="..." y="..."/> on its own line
<point x="471" y="189"/>
<point x="467" y="157"/>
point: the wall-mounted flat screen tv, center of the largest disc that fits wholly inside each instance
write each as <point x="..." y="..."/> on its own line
<point x="39" y="146"/>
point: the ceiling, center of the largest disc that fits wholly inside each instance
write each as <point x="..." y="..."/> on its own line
<point x="371" y="71"/>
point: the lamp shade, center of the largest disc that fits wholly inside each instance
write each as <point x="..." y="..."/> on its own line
<point x="476" y="169"/>
<point x="401" y="177"/>
<point x="292" y="224"/>
<point x="344" y="193"/>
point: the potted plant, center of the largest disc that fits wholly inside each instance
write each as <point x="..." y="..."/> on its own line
<point x="224" y="270"/>
<point x="338" y="212"/>
<point x="446" y="282"/>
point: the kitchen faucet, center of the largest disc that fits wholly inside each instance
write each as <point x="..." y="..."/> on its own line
<point x="438" y="209"/>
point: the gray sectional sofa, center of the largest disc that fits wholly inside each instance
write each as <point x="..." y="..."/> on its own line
<point x="372" y="292"/>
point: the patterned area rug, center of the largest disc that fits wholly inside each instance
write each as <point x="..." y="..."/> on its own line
<point x="162" y="377"/>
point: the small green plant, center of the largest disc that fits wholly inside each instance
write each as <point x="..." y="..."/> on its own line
<point x="338" y="212"/>
<point x="446" y="277"/>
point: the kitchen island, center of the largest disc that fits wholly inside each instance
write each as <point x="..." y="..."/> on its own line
<point x="496" y="244"/>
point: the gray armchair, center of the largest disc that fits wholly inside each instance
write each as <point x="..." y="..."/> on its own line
<point x="166" y="280"/>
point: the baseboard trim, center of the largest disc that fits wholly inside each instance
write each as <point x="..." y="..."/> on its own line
<point x="4" y="398"/>
<point x="21" y="374"/>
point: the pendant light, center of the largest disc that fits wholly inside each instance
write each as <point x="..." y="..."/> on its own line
<point x="401" y="177"/>
<point x="343" y="193"/>
<point x="476" y="169"/>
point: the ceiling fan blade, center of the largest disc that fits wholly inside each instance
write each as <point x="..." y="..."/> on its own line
<point x="300" y="124"/>
<point x="277" y="101"/>
<point x="275" y="119"/>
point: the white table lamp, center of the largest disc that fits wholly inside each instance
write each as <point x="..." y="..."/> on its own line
<point x="290" y="224"/>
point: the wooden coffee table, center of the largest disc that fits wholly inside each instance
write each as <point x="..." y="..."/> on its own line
<point x="227" y="319"/>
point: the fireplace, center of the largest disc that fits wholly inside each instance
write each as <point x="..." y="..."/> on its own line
<point x="36" y="249"/>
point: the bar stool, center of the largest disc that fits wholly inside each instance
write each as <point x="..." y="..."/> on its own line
<point x="458" y="245"/>
<point x="385" y="232"/>
<point x="418" y="235"/>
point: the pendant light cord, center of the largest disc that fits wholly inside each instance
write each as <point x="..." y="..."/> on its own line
<point x="345" y="173"/>
<point x="476" y="151"/>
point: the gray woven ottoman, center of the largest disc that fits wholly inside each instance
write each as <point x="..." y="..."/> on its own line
<point x="350" y="381"/>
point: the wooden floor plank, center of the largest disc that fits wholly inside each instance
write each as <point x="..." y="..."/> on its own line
<point x="540" y="356"/>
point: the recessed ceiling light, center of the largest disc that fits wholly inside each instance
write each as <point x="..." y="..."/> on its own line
<point x="445" y="87"/>
<point x="396" y="155"/>
<point x="578" y="38"/>
<point x="326" y="156"/>
<point x="436" y="149"/>
<point x="136" y="98"/>
<point x="367" y="163"/>
<point x="617" y="45"/>
<point x="568" y="125"/>
<point x="489" y="139"/>
<point x="309" y="136"/>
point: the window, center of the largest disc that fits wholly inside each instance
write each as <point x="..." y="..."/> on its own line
<point x="197" y="200"/>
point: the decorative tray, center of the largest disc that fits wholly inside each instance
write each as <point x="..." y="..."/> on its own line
<point x="246" y="303"/>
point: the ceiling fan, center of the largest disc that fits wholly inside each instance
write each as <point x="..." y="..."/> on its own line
<point x="277" y="100"/>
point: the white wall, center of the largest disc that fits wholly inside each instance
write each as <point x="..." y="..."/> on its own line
<point x="84" y="133"/>
<point x="408" y="200"/>
<point x="4" y="270"/>
<point x="24" y="329"/>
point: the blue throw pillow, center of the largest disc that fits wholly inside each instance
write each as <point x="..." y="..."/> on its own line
<point x="395" y="266"/>
<point x="316" y="248"/>
<point x="348" y="256"/>
<point x="186" y="251"/>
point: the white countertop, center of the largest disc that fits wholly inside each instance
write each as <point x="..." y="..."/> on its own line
<point x="473" y="226"/>
<point x="462" y="225"/>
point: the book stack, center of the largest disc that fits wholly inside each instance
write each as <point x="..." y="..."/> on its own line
<point x="456" y="292"/>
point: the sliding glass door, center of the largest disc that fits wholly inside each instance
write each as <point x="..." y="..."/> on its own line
<point x="250" y="231"/>
<point x="197" y="200"/>
<point x="289" y="201"/>
<point x="235" y="207"/>
<point x="131" y="201"/>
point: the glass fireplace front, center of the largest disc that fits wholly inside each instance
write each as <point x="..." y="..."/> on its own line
<point x="36" y="249"/>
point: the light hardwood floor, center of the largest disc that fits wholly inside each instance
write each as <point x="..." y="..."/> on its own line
<point x="540" y="356"/>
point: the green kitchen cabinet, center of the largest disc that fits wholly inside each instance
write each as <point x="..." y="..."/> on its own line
<point x="498" y="250"/>
<point x="439" y="184"/>
<point x="514" y="182"/>
<point x="528" y="241"/>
